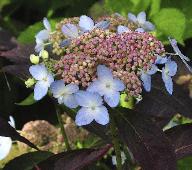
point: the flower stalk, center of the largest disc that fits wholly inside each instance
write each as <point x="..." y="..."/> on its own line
<point x="116" y="143"/>
<point x="59" y="118"/>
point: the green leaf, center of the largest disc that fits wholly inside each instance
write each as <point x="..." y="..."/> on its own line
<point x="28" y="35"/>
<point x="170" y="22"/>
<point x="27" y="161"/>
<point x="185" y="164"/>
<point x="4" y="3"/>
<point x="27" y="101"/>
<point x="125" y="6"/>
<point x="155" y="7"/>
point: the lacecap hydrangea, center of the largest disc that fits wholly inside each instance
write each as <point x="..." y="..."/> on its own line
<point x="87" y="65"/>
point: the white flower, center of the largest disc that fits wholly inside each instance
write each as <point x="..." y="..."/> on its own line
<point x="87" y="24"/>
<point x="107" y="86"/>
<point x="6" y="142"/>
<point x="65" y="93"/>
<point x="44" y="34"/>
<point x="123" y="158"/>
<point x="92" y="109"/>
<point x="141" y="21"/>
<point x="44" y="80"/>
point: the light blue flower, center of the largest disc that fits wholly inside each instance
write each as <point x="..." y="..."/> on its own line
<point x="65" y="93"/>
<point x="161" y="60"/>
<point x="92" y="109"/>
<point x="184" y="58"/>
<point x="168" y="72"/>
<point x="87" y="24"/>
<point x="70" y="31"/>
<point x="44" y="34"/>
<point x="39" y="45"/>
<point x="107" y="86"/>
<point x="44" y="80"/>
<point x="140" y="20"/>
<point x="6" y="142"/>
<point x="121" y="29"/>
<point x="146" y="77"/>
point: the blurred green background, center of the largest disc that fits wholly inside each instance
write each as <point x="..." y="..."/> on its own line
<point x="21" y="20"/>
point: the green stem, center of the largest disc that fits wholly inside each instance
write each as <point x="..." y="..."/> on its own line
<point x="116" y="143"/>
<point x="62" y="128"/>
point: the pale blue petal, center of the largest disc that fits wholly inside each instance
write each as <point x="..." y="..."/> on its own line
<point x="5" y="146"/>
<point x="118" y="85"/>
<point x="38" y="72"/>
<point x="132" y="17"/>
<point x="103" y="72"/>
<point x="153" y="69"/>
<point x="96" y="86"/>
<point x="39" y="45"/>
<point x="60" y="99"/>
<point x="65" y="43"/>
<point x="171" y="66"/>
<point x="148" y="26"/>
<point x="40" y="90"/>
<point x="101" y="115"/>
<point x="43" y="35"/>
<point x="146" y="81"/>
<point x="141" y="18"/>
<point x="71" y="88"/>
<point x="102" y="25"/>
<point x="86" y="23"/>
<point x="50" y="79"/>
<point x="46" y="24"/>
<point x="168" y="81"/>
<point x="70" y="30"/>
<point x="173" y="43"/>
<point x="112" y="99"/>
<point x="121" y="29"/>
<point x="86" y="99"/>
<point x="161" y="60"/>
<point x="140" y="30"/>
<point x="57" y="88"/>
<point x="70" y="101"/>
<point x="84" y="117"/>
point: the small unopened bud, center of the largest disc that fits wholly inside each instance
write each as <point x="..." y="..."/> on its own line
<point x="30" y="82"/>
<point x="44" y="54"/>
<point x="34" y="59"/>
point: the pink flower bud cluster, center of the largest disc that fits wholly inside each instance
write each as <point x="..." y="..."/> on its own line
<point x="125" y="54"/>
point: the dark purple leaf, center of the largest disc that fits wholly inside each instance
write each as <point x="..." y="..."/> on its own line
<point x="181" y="138"/>
<point x="27" y="161"/>
<point x="19" y="55"/>
<point x="7" y="41"/>
<point x="8" y="131"/>
<point x="73" y="160"/>
<point x="20" y="71"/>
<point x="147" y="142"/>
<point x="162" y="106"/>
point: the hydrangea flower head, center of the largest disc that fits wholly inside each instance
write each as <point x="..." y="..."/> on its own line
<point x="140" y="19"/>
<point x="168" y="72"/>
<point x="92" y="109"/>
<point x="87" y="24"/>
<point x="44" y="80"/>
<point x="65" y="93"/>
<point x="108" y="86"/>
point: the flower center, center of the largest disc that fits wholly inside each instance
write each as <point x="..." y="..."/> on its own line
<point x="108" y="86"/>
<point x="93" y="108"/>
